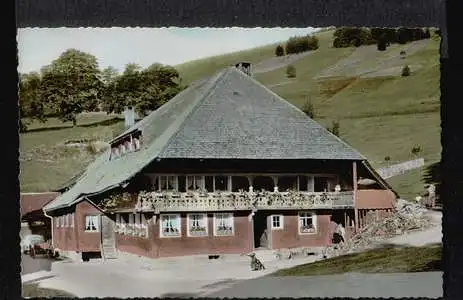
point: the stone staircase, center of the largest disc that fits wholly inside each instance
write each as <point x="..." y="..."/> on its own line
<point x="108" y="250"/>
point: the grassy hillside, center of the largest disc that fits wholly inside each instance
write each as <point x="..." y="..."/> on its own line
<point x="380" y="116"/>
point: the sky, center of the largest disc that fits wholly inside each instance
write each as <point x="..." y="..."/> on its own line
<point x="117" y="47"/>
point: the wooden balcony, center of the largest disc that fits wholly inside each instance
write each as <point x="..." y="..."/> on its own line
<point x="198" y="201"/>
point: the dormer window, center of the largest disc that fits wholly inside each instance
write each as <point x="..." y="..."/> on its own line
<point x="130" y="146"/>
<point x="136" y="143"/>
<point x="128" y="143"/>
<point x="115" y="152"/>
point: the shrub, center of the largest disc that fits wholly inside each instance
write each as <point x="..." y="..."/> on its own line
<point x="299" y="44"/>
<point x="291" y="71"/>
<point x="309" y="109"/>
<point x="313" y="43"/>
<point x="381" y="45"/>
<point x="406" y="71"/>
<point x="334" y="128"/>
<point x="416" y="149"/>
<point x="387" y="158"/>
<point x="279" y="51"/>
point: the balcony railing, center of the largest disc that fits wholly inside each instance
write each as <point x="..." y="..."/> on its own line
<point x="199" y="201"/>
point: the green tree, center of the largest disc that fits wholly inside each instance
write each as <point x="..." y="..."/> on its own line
<point x="279" y="50"/>
<point x="291" y="71"/>
<point x="30" y="99"/>
<point x="313" y="43"/>
<point x="71" y="84"/>
<point x="145" y="90"/>
<point x="381" y="45"/>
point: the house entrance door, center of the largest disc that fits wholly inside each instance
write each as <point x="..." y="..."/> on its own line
<point x="108" y="238"/>
<point x="261" y="237"/>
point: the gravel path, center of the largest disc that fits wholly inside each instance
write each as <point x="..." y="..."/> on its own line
<point x="275" y="63"/>
<point x="352" y="285"/>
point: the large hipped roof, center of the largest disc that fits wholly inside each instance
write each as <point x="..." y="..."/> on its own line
<point x="228" y="116"/>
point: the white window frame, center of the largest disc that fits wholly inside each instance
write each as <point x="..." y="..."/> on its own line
<point x="136" y="144"/>
<point x="118" y="223"/>
<point x="130" y="146"/>
<point x="72" y="220"/>
<point x="66" y="220"/>
<point x="306" y="214"/>
<point x="123" y="225"/>
<point x="143" y="225"/>
<point x="195" y="184"/>
<point x="231" y="219"/>
<point x="205" y="225"/>
<point x="57" y="219"/>
<point x="137" y="221"/>
<point x="96" y="223"/>
<point x="161" y="227"/>
<point x="131" y="224"/>
<point x="280" y="220"/>
<point x="166" y="178"/>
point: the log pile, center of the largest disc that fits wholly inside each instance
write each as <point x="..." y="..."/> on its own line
<point x="405" y="217"/>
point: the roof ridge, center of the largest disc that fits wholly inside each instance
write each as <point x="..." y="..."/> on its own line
<point x="300" y="111"/>
<point x="211" y="85"/>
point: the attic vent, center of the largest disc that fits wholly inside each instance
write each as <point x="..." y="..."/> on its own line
<point x="244" y="67"/>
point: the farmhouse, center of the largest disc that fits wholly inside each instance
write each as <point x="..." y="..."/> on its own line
<point x="226" y="166"/>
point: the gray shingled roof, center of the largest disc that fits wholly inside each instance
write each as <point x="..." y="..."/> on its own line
<point x="229" y="116"/>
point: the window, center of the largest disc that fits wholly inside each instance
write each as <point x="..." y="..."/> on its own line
<point x="116" y="152"/>
<point x="181" y="181"/>
<point x="57" y="222"/>
<point x="72" y="220"/>
<point x="130" y="229"/>
<point x="66" y="220"/>
<point x="122" y="224"/>
<point x="91" y="223"/>
<point x="286" y="183"/>
<point x="277" y="222"/>
<point x="240" y="183"/>
<point x="137" y="223"/>
<point x="155" y="183"/>
<point x="221" y="183"/>
<point x="130" y="147"/>
<point x="136" y="143"/>
<point x="303" y="183"/>
<point x="307" y="223"/>
<point x="170" y="226"/>
<point x="197" y="225"/>
<point x="223" y="224"/>
<point x="199" y="182"/>
<point x="118" y="222"/>
<point x="168" y="183"/>
<point x="321" y="184"/>
<point x="209" y="183"/>
<point x="194" y="183"/>
<point x="143" y="225"/>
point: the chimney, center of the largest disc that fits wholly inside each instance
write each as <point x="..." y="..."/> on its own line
<point x="129" y="116"/>
<point x="244" y="67"/>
